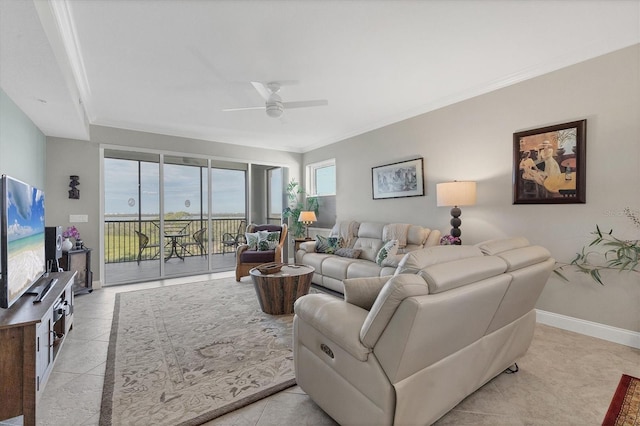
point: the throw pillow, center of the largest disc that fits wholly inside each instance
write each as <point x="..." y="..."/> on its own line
<point x="322" y="245"/>
<point x="334" y="244"/>
<point x="252" y="240"/>
<point x="389" y="249"/>
<point x="268" y="240"/>
<point x="348" y="252"/>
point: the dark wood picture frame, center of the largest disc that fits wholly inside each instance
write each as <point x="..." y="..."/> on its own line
<point x="398" y="180"/>
<point x="549" y="164"/>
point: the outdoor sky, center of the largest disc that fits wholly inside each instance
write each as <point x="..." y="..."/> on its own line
<point x="182" y="188"/>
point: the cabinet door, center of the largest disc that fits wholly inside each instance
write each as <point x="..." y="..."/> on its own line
<point x="44" y="350"/>
<point x="78" y="262"/>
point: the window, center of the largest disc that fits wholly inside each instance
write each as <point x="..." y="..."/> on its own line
<point x="274" y="193"/>
<point x="321" y="178"/>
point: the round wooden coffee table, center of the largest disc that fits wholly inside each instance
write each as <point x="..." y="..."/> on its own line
<point x="277" y="292"/>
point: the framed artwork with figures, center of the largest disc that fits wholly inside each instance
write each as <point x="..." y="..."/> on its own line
<point x="549" y="164"/>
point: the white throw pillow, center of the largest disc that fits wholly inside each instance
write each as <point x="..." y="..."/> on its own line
<point x="252" y="240"/>
<point x="389" y="249"/>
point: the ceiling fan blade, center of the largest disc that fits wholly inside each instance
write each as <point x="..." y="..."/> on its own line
<point x="304" y="104"/>
<point x="261" y="89"/>
<point x="243" y="108"/>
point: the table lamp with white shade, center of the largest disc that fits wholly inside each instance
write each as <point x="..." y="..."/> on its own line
<point x="456" y="194"/>
<point x="307" y="218"/>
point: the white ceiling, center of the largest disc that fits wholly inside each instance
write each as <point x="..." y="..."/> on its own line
<point x="171" y="66"/>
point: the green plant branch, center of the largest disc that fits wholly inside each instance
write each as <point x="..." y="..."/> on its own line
<point x="620" y="255"/>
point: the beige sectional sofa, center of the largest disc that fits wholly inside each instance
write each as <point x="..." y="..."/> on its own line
<point x="406" y="349"/>
<point x="368" y="238"/>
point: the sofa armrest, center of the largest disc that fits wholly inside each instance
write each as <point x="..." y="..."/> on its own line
<point x="241" y="249"/>
<point x="433" y="239"/>
<point x="338" y="321"/>
<point x="308" y="246"/>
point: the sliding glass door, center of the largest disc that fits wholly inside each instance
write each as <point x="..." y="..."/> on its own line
<point x="168" y="215"/>
<point x="132" y="237"/>
<point x="186" y="215"/>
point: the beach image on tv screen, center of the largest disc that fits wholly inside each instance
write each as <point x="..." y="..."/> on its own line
<point x="25" y="236"/>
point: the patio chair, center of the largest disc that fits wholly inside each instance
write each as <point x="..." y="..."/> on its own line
<point x="234" y="240"/>
<point x="143" y="243"/>
<point x="200" y="237"/>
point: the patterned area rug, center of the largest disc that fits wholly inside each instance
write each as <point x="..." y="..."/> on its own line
<point x="186" y="354"/>
<point x="625" y="405"/>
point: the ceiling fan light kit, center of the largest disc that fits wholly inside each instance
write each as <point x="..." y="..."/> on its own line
<point x="274" y="106"/>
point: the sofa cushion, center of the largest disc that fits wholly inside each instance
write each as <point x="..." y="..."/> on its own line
<point x="369" y="246"/>
<point x="363" y="268"/>
<point x="336" y="267"/>
<point x="255" y="256"/>
<point x="371" y="230"/>
<point x="396" y="231"/>
<point x="457" y="273"/>
<point x="388" y="249"/>
<point x="524" y="256"/>
<point x="419" y="259"/>
<point x="348" y="252"/>
<point x="493" y="247"/>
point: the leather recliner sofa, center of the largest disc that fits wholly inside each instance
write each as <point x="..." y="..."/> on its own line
<point x="407" y="349"/>
<point x="368" y="238"/>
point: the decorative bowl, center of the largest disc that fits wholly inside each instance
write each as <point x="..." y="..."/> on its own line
<point x="270" y="268"/>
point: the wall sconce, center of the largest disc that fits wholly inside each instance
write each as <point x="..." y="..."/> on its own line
<point x="307" y="218"/>
<point x="74" y="193"/>
<point x="456" y="194"/>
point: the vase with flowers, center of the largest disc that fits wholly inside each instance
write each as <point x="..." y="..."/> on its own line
<point x="450" y="240"/>
<point x="71" y="232"/>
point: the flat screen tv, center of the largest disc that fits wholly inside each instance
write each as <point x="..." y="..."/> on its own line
<point x="22" y="240"/>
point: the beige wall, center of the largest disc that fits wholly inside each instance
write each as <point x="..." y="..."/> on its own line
<point x="67" y="157"/>
<point x="473" y="140"/>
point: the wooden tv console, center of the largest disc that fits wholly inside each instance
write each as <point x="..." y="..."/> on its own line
<point x="31" y="335"/>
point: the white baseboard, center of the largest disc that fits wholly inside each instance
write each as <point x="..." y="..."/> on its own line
<point x="589" y="328"/>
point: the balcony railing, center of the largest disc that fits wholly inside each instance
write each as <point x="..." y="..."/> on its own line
<point x="123" y="238"/>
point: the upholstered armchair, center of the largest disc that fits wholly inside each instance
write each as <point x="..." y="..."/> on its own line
<point x="249" y="257"/>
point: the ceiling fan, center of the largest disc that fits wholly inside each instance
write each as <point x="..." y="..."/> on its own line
<point x="273" y="102"/>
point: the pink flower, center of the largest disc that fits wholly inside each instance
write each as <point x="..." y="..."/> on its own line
<point x="449" y="240"/>
<point x="71" y="232"/>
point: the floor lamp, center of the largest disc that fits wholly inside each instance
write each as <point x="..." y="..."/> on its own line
<point x="455" y="194"/>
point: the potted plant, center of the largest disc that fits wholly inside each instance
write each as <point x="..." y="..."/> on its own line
<point x="298" y="202"/>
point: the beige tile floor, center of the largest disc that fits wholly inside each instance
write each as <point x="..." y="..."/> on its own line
<point x="565" y="379"/>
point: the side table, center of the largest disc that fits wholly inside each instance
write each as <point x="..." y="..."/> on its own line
<point x="297" y="242"/>
<point x="278" y="292"/>
<point x="79" y="260"/>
